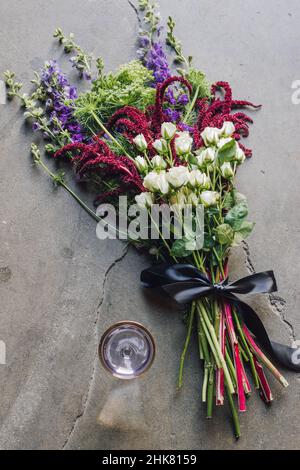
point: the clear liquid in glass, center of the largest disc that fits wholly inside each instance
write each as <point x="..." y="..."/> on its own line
<point x="127" y="350"/>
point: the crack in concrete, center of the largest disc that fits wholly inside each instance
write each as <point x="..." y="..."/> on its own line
<point x="98" y="310"/>
<point x="248" y="262"/>
<point x="276" y="302"/>
<point x="135" y="10"/>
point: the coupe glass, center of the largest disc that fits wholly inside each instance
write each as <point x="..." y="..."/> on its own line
<point x="127" y="350"/>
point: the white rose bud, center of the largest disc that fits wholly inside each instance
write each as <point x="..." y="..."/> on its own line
<point x="160" y="146"/>
<point x="193" y="199"/>
<point x="209" y="198"/>
<point x="156" y="182"/>
<point x="168" y="130"/>
<point x="196" y="178"/>
<point x="240" y="156"/>
<point x="158" y="162"/>
<point x="227" y="129"/>
<point x="140" y="142"/>
<point x="183" y="143"/>
<point x="211" y="135"/>
<point x="144" y="199"/>
<point x="227" y="170"/>
<point x="141" y="163"/>
<point x="206" y="156"/>
<point x="178" y="176"/>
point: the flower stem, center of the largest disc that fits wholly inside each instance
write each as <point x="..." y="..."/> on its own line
<point x="260" y="355"/>
<point x="234" y="413"/>
<point x="210" y="392"/>
<point x="67" y="188"/>
<point x="247" y="349"/>
<point x="219" y="356"/>
<point x="104" y="129"/>
<point x="192" y="105"/>
<point x="186" y="345"/>
<point x="205" y="382"/>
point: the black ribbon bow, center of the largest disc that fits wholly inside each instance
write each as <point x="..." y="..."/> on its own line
<point x="185" y="283"/>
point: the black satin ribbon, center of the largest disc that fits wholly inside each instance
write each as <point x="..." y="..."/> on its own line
<point x="185" y="283"/>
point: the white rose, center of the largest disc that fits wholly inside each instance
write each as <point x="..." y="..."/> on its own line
<point x="156" y="182"/>
<point x="141" y="163"/>
<point x="144" y="199"/>
<point x="197" y="178"/>
<point x="168" y="130"/>
<point x="183" y="143"/>
<point x="211" y="135"/>
<point x="140" y="142"/>
<point x="240" y="155"/>
<point x="227" y="170"/>
<point x="160" y="146"/>
<point x="206" y="156"/>
<point x="158" y="162"/>
<point x="178" y="176"/>
<point x="209" y="198"/>
<point x="227" y="129"/>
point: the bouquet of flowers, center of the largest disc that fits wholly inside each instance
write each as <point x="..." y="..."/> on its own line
<point x="162" y="136"/>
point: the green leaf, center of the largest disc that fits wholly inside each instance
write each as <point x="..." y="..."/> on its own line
<point x="239" y="197"/>
<point x="244" y="231"/>
<point x="209" y="242"/>
<point x="179" y="249"/>
<point x="237" y="215"/>
<point x="228" y="201"/>
<point x="227" y="152"/>
<point x="225" y="234"/>
<point x="232" y="198"/>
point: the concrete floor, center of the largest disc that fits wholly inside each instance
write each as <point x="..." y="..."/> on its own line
<point x="60" y="287"/>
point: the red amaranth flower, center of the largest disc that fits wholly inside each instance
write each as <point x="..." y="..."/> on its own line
<point x="132" y="122"/>
<point x="157" y="112"/>
<point x="219" y="111"/>
<point x="98" y="158"/>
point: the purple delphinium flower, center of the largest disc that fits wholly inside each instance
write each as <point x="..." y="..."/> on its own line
<point x="172" y="114"/>
<point x="156" y="61"/>
<point x="60" y="99"/>
<point x="183" y="99"/>
<point x="36" y="127"/>
<point x="185" y="127"/>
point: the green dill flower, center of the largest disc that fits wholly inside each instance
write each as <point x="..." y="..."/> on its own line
<point x="129" y="86"/>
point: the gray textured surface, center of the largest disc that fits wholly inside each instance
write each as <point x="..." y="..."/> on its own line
<point x="60" y="287"/>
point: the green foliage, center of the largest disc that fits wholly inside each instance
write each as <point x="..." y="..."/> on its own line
<point x="227" y="152"/>
<point x="225" y="234"/>
<point x="179" y="249"/>
<point x="232" y="198"/>
<point x="175" y="44"/>
<point x="13" y="87"/>
<point x="209" y="242"/>
<point x="199" y="81"/>
<point x="143" y="4"/>
<point x="237" y="215"/>
<point x="82" y="61"/>
<point x="128" y="86"/>
<point x="243" y="232"/>
<point x="124" y="144"/>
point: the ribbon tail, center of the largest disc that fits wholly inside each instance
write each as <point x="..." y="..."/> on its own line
<point x="285" y="355"/>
